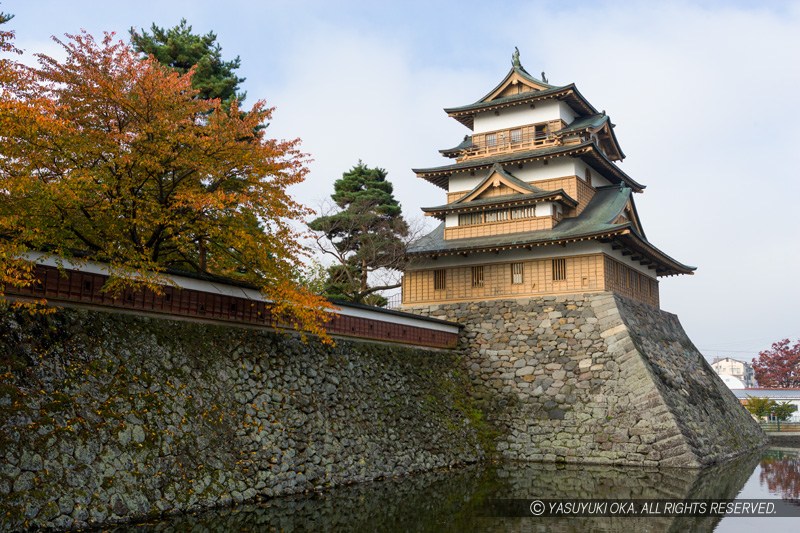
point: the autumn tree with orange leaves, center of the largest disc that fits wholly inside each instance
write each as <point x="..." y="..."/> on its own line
<point x="112" y="158"/>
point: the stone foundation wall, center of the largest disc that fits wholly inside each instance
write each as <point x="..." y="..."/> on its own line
<point x="110" y="417"/>
<point x="597" y="378"/>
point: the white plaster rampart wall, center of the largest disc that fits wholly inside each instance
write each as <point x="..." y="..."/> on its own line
<point x="541" y="252"/>
<point x="522" y="115"/>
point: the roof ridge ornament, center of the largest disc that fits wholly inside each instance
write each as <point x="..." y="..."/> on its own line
<point x="515" y="59"/>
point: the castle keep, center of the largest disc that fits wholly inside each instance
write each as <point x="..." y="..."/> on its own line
<point x="541" y="256"/>
<point x="536" y="204"/>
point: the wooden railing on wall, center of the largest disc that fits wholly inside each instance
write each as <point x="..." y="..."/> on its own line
<point x="76" y="287"/>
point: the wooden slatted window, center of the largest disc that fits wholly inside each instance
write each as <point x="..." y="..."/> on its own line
<point x="491" y="139"/>
<point x="439" y="280"/>
<point x="470" y="219"/>
<point x="559" y="269"/>
<point x="517" y="273"/>
<point x="477" y="276"/>
<point x="523" y="212"/>
<point x="499" y="215"/>
<point x="516" y="136"/>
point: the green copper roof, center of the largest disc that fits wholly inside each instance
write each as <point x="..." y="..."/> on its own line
<point x="593" y="122"/>
<point x="466" y="143"/>
<point x="590" y="121"/>
<point x="568" y="93"/>
<point x="586" y="150"/>
<point x="486" y="162"/>
<point x="596" y="221"/>
<point x="525" y="75"/>
<point x="505" y="99"/>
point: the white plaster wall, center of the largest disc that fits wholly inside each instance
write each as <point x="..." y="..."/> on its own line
<point x="537" y="170"/>
<point x="450" y="221"/>
<point x="555" y="168"/>
<point x="531" y="172"/>
<point x="597" y="179"/>
<point x="518" y="116"/>
<point x="464" y="181"/>
<point x="566" y="113"/>
<point x="541" y="252"/>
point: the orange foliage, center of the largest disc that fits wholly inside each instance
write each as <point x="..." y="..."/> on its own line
<point x="112" y="158"/>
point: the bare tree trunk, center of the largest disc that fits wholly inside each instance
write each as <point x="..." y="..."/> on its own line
<point x="363" y="275"/>
<point x="202" y="252"/>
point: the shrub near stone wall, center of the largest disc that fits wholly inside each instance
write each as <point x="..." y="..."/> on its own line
<point x="598" y="378"/>
<point x="109" y="417"/>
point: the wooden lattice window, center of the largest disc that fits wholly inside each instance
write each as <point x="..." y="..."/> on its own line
<point x="588" y="176"/>
<point x="477" y="276"/>
<point x="499" y="215"/>
<point x="439" y="280"/>
<point x="516" y="136"/>
<point x="517" y="273"/>
<point x="559" y="269"/>
<point x="491" y="139"/>
<point x="469" y="219"/>
<point x="523" y="212"/>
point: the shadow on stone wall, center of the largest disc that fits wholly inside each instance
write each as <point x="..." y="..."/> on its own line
<point x="711" y="419"/>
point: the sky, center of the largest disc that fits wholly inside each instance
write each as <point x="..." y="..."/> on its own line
<point x="703" y="95"/>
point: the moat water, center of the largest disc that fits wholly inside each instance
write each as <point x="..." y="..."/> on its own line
<point x="455" y="500"/>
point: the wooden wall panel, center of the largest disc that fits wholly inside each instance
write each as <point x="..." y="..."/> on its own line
<point x="584" y="273"/>
<point x="629" y="282"/>
<point x="499" y="228"/>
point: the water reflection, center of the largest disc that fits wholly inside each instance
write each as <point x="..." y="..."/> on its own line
<point x="780" y="472"/>
<point x="453" y="500"/>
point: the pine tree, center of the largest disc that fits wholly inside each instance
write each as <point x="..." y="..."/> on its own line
<point x="180" y="49"/>
<point x="366" y="235"/>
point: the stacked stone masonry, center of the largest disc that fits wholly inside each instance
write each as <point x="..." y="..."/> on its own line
<point x="110" y="417"/>
<point x="598" y="378"/>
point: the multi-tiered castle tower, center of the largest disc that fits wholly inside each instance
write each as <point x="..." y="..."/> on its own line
<point x="536" y="205"/>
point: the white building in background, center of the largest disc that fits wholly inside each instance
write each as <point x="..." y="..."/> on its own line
<point x="742" y="371"/>
<point x="732" y="382"/>
<point x="791" y="396"/>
